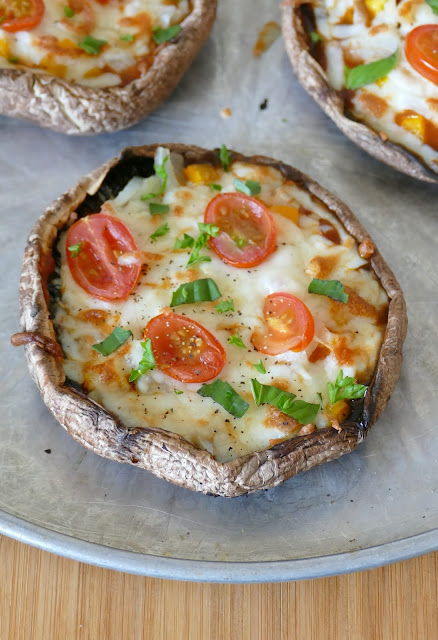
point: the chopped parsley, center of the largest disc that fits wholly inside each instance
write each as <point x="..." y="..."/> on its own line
<point x="216" y="187"/>
<point x="207" y="231"/>
<point x="224" y="306"/>
<point x="236" y="339"/>
<point x="92" y="45"/>
<point x="161" y="231"/>
<point x="249" y="187"/>
<point x="157" y="209"/>
<point x="259" y="366"/>
<point x="128" y="37"/>
<point x="225" y="158"/>
<point x="160" y="171"/>
<point x="345" y="389"/>
<point x="184" y="242"/>
<point x="68" y="12"/>
<point x="147" y="362"/>
<point x="75" y="249"/>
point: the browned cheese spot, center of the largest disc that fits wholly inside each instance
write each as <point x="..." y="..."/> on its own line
<point x="373" y="104"/>
<point x="319" y="353"/>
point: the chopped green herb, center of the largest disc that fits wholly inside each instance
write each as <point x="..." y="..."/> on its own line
<point x="178" y="392"/>
<point x="161" y="231"/>
<point x="75" y="249"/>
<point x="302" y="411"/>
<point x="283" y="120"/>
<point x="207" y="231"/>
<point x="92" y="45"/>
<point x="433" y="4"/>
<point x="236" y="339"/>
<point x="164" y="35"/>
<point x="259" y="366"/>
<point x="364" y="74"/>
<point x="224" y="394"/>
<point x="128" y="37"/>
<point x="225" y="158"/>
<point x="147" y="362"/>
<point x="203" y="290"/>
<point x="217" y="187"/>
<point x="320" y="400"/>
<point x="2" y="19"/>
<point x="249" y="187"/>
<point x="158" y="209"/>
<point x="345" y="389"/>
<point x="184" y="242"/>
<point x="13" y="60"/>
<point x="330" y="288"/>
<point x="315" y="37"/>
<point x="69" y="13"/>
<point x="160" y="171"/>
<point x="113" y="341"/>
<point x="224" y="306"/>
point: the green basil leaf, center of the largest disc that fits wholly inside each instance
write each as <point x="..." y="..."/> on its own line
<point x="158" y="209"/>
<point x="160" y="171"/>
<point x="113" y="341"/>
<point x="331" y="288"/>
<point x="217" y="187"/>
<point x="433" y="4"/>
<point x="224" y="394"/>
<point x="69" y="13"/>
<point x="128" y="37"/>
<point x="92" y="45"/>
<point x="225" y="158"/>
<point x="249" y="187"/>
<point x="184" y="242"/>
<point x="304" y="412"/>
<point x="345" y="389"/>
<point x="259" y="366"/>
<point x="75" y="249"/>
<point x="161" y="231"/>
<point x="236" y="339"/>
<point x="224" y="306"/>
<point x="147" y="362"/>
<point x="203" y="290"/>
<point x="368" y="73"/>
<point x="164" y="35"/>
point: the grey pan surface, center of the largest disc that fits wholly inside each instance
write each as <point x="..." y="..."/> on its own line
<point x="376" y="505"/>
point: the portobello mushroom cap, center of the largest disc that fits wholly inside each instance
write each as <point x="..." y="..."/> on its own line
<point x="76" y="109"/>
<point x="166" y="454"/>
<point x="313" y="78"/>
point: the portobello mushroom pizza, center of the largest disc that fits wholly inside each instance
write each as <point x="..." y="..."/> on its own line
<point x="88" y="66"/>
<point x="372" y="65"/>
<point x="219" y="320"/>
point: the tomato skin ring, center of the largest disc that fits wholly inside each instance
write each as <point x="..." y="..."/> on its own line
<point x="183" y="349"/>
<point x="95" y="268"/>
<point x="297" y="326"/>
<point x="26" y="23"/>
<point x="263" y="225"/>
<point x="421" y="50"/>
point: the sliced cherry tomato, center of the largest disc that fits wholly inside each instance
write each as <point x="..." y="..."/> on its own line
<point x="96" y="242"/>
<point x="421" y="49"/>
<point x="23" y="15"/>
<point x="184" y="349"/>
<point x="289" y="325"/>
<point x="247" y="229"/>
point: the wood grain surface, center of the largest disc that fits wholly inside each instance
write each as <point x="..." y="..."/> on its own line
<point x="45" y="597"/>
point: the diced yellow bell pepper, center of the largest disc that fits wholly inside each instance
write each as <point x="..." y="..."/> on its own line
<point x="94" y="72"/>
<point x="339" y="411"/>
<point x="381" y="81"/>
<point x="200" y="173"/>
<point x="48" y="64"/>
<point x="288" y="212"/>
<point x="414" y="123"/>
<point x="4" y="49"/>
<point x="375" y="6"/>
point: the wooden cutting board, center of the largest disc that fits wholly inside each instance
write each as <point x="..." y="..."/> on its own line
<point x="45" y="597"/>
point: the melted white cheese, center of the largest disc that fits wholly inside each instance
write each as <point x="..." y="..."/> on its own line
<point x="371" y="36"/>
<point x="133" y="18"/>
<point x="152" y="400"/>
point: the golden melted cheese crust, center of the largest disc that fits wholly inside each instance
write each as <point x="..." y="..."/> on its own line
<point x="310" y="243"/>
<point x="403" y="105"/>
<point x="56" y="45"/>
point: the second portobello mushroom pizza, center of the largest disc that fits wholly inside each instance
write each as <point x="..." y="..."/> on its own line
<point x="372" y="65"/>
<point x="222" y="301"/>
